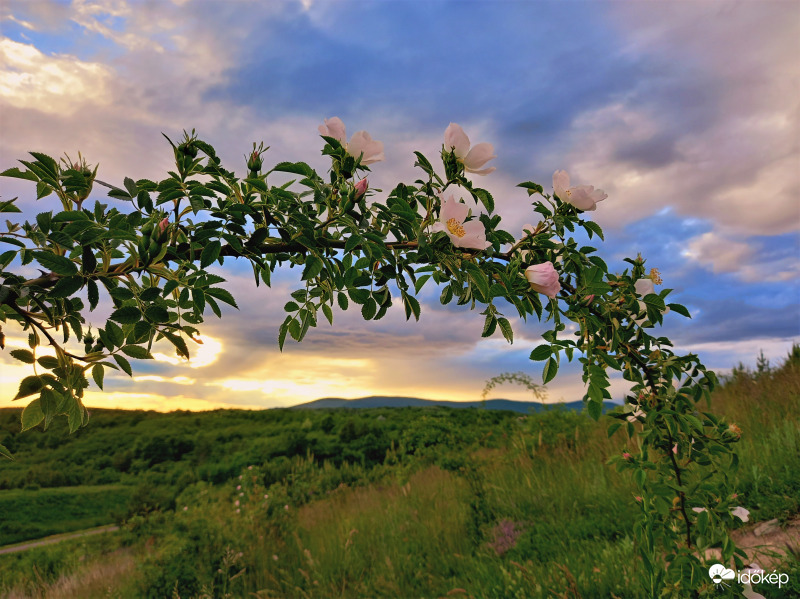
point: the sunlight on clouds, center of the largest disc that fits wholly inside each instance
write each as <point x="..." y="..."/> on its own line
<point x="178" y="380"/>
<point x="56" y="84"/>
<point x="724" y="255"/>
<point x="201" y="355"/>
<point x="151" y="401"/>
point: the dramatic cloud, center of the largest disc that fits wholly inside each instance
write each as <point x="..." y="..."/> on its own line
<point x="686" y="114"/>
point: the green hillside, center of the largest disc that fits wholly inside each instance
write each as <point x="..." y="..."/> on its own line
<point x="385" y="502"/>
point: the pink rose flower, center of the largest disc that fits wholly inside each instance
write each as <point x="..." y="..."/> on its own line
<point x="462" y="234"/>
<point x="360" y="143"/>
<point x="583" y="197"/>
<point x="456" y="140"/>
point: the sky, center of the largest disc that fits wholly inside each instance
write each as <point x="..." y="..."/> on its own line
<point x="685" y="113"/>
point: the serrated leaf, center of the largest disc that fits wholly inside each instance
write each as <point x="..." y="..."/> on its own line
<point x="58" y="264"/>
<point x="505" y="328"/>
<point x="485" y="198"/>
<point x="341" y="298"/>
<point x="32" y="415"/>
<point x="210" y="253"/>
<point x="48" y="362"/>
<point x="541" y="352"/>
<point x="313" y="267"/>
<point x="550" y="370"/>
<point x="290" y="307"/>
<point x="124" y="364"/>
<point x="326" y="310"/>
<point x="369" y="309"/>
<point x="28" y="386"/>
<point x="222" y="295"/>
<point x="66" y="286"/>
<point x="97" y="374"/>
<point x="178" y="342"/>
<point x="115" y="334"/>
<point x="48" y="401"/>
<point x="23" y="355"/>
<point x="126" y="315"/>
<point x="19" y="174"/>
<point x="137" y="351"/>
<point x="679" y="309"/>
<point x="93" y="293"/>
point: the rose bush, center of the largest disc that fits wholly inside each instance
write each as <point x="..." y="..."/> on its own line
<point x="147" y="256"/>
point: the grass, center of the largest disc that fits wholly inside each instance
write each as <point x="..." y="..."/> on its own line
<point x="42" y="512"/>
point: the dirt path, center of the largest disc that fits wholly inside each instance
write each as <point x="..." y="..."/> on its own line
<point x="57" y="539"/>
<point x="766" y="543"/>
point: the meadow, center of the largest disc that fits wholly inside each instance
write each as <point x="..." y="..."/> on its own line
<point x="363" y="503"/>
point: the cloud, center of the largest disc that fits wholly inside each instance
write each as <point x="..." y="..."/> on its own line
<point x="52" y="84"/>
<point x="724" y="255"/>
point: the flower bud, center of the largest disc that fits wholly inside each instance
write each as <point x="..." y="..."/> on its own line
<point x="254" y="163"/>
<point x="361" y="188"/>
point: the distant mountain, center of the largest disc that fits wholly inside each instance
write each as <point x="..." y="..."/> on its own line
<point x="379" y="401"/>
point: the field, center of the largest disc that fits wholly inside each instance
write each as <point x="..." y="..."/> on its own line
<point x="368" y="503"/>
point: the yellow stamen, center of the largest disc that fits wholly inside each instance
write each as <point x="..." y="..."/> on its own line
<point x="455" y="227"/>
<point x="655" y="276"/>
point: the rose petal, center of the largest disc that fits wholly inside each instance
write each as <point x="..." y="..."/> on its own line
<point x="334" y="127"/>
<point x="478" y="156"/>
<point x="456" y="140"/>
<point x="560" y="184"/>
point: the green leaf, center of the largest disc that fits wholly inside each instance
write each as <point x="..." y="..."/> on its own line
<point x="28" y="386"/>
<point x="93" y="292"/>
<point x="137" y="351"/>
<point x="505" y="328"/>
<point x="298" y="168"/>
<point x="485" y="198"/>
<point x="210" y="253"/>
<point x="48" y="362"/>
<point x="613" y="428"/>
<point x="32" y="415"/>
<point x="595" y="409"/>
<point x="593" y="227"/>
<point x="5" y="453"/>
<point x="23" y="355"/>
<point x="679" y="309"/>
<point x="97" y="374"/>
<point x="326" y="310"/>
<point x="126" y="315"/>
<point x="66" y="286"/>
<point x="550" y="370"/>
<point x="369" y="309"/>
<point x="115" y="334"/>
<point x="313" y="268"/>
<point x="157" y="314"/>
<point x="531" y="187"/>
<point x="58" y="264"/>
<point x="542" y="352"/>
<point x="48" y="401"/>
<point x="69" y="216"/>
<point x="651" y="299"/>
<point x="18" y="174"/>
<point x="124" y="364"/>
<point x="222" y="295"/>
<point x="343" y="302"/>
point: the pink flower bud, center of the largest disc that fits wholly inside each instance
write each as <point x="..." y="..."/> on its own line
<point x="638" y="499"/>
<point x="543" y="278"/>
<point x="675" y="449"/>
<point x="626" y="455"/>
<point x="361" y="188"/>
